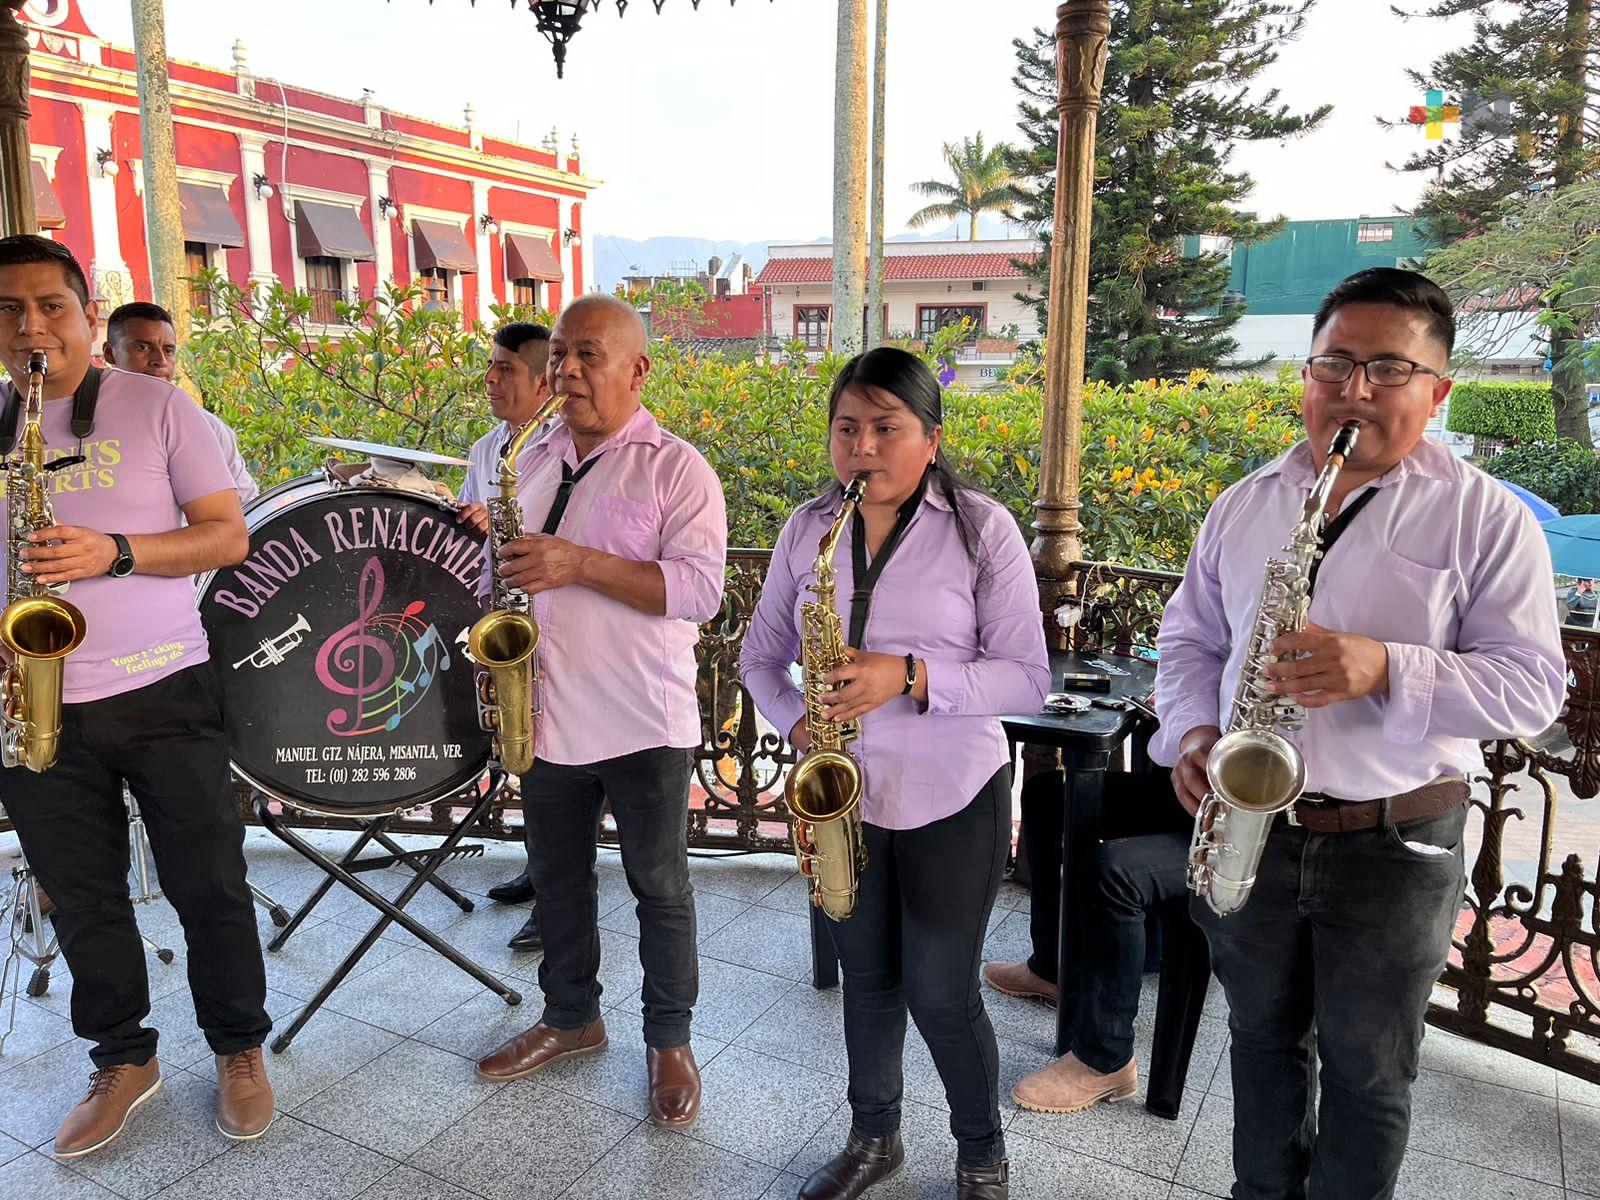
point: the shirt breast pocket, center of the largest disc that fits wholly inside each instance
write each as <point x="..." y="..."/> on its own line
<point x="1394" y="599"/>
<point x="625" y="528"/>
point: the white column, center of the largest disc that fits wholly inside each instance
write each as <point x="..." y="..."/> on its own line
<point x="481" y="249"/>
<point x="564" y="249"/>
<point x="382" y="224"/>
<point x="257" y="232"/>
<point x="108" y="273"/>
<point x="589" y="281"/>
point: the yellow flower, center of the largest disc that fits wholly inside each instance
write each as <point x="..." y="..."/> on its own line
<point x="1111" y="441"/>
<point x="789" y="464"/>
<point x="1147" y="434"/>
<point x="1203" y="411"/>
<point x="1138" y="486"/>
<point x="1002" y="428"/>
<point x="1213" y="490"/>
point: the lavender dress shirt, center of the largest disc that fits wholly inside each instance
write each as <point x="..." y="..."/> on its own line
<point x="615" y="680"/>
<point x="1444" y="566"/>
<point x="978" y="630"/>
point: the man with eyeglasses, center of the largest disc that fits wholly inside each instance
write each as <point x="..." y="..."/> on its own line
<point x="1431" y="628"/>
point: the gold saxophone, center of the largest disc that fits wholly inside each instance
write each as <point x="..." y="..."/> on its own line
<point x="37" y="628"/>
<point x="503" y="640"/>
<point x="823" y="790"/>
<point x="1253" y="770"/>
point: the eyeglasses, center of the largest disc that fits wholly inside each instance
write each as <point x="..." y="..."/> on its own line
<point x="1381" y="372"/>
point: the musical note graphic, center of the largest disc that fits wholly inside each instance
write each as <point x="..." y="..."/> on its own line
<point x="385" y="662"/>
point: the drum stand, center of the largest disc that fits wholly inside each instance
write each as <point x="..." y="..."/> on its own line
<point x="424" y="864"/>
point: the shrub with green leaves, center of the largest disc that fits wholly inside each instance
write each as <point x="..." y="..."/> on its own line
<point x="1155" y="453"/>
<point x="1507" y="412"/>
<point x="1563" y="472"/>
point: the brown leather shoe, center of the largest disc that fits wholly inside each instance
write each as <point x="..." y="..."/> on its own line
<point x="244" y="1097"/>
<point x="1070" y="1085"/>
<point x="863" y="1162"/>
<point x="674" y="1085"/>
<point x="114" y="1092"/>
<point x="991" y="1181"/>
<point x="539" y="1047"/>
<point x="1017" y="979"/>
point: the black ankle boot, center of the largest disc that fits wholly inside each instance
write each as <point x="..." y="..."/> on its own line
<point x="863" y="1162"/>
<point x="988" y="1182"/>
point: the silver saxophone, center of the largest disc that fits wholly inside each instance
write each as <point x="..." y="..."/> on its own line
<point x="1254" y="771"/>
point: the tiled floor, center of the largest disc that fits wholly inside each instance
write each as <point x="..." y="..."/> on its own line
<point x="378" y="1100"/>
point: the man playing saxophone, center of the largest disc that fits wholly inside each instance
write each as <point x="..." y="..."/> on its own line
<point x="629" y="558"/>
<point x="142" y="501"/>
<point x="518" y="388"/>
<point x="938" y="613"/>
<point x="1430" y="628"/>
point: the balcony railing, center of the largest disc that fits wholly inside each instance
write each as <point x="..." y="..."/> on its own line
<point x="325" y="302"/>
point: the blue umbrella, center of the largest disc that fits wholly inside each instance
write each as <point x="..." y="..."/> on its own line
<point x="1575" y="545"/>
<point x="1543" y="510"/>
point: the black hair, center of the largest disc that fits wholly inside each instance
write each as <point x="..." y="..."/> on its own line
<point x="515" y="336"/>
<point x="1401" y="288"/>
<point x="21" y="249"/>
<point x="907" y="378"/>
<point x="139" y="310"/>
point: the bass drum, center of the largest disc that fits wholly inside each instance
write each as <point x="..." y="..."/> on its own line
<point x="339" y="641"/>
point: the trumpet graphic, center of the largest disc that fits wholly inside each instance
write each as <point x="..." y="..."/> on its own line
<point x="272" y="650"/>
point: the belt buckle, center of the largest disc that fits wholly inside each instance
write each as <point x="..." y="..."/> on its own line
<point x="1294" y="817"/>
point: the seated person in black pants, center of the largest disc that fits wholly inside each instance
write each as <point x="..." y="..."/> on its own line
<point x="1134" y="875"/>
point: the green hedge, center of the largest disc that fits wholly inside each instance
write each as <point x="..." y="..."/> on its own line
<point x="1563" y="472"/>
<point x="1522" y="412"/>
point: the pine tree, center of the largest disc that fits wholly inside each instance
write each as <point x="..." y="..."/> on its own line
<point x="1528" y="87"/>
<point x="1176" y="101"/>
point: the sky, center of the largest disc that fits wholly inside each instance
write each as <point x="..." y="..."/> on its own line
<point x="718" y="123"/>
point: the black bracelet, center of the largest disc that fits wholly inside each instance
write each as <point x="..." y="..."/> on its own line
<point x="911" y="675"/>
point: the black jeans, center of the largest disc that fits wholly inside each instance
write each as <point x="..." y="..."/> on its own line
<point x="166" y="741"/>
<point x="649" y="797"/>
<point x="1043" y="811"/>
<point x="914" y="942"/>
<point x="1331" y="963"/>
<point x="1133" y="876"/>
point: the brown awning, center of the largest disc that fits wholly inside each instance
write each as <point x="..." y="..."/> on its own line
<point x="46" y="204"/>
<point x="442" y="247"/>
<point x="207" y="215"/>
<point x="331" y="231"/>
<point x="529" y="257"/>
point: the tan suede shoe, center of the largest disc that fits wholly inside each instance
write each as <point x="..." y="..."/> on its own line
<point x="1015" y="979"/>
<point x="1067" y="1086"/>
<point x="114" y="1092"/>
<point x="244" y="1097"/>
<point x="674" y="1086"/>
<point x="535" y="1048"/>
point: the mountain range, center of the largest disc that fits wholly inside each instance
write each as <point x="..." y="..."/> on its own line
<point x="616" y="257"/>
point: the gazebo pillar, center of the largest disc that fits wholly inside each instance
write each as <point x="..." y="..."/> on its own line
<point x="16" y="171"/>
<point x="1082" y="30"/>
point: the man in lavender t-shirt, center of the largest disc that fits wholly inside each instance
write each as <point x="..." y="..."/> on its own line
<point x="141" y="502"/>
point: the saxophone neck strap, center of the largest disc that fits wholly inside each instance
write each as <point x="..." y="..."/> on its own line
<point x="1334" y="529"/>
<point x="84" y="401"/>
<point x="866" y="577"/>
<point x="569" y="480"/>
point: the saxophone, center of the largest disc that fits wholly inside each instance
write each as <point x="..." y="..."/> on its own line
<point x="503" y="640"/>
<point x="37" y="628"/>
<point x="823" y="790"/>
<point x="1254" y="771"/>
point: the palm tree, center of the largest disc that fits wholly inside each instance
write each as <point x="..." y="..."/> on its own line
<point x="981" y="183"/>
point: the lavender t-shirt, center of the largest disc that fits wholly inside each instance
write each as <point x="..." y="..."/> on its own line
<point x="150" y="453"/>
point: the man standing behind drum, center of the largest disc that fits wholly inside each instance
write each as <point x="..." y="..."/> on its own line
<point x="141" y="337"/>
<point x="633" y="559"/>
<point x="139" y="707"/>
<point x="517" y="388"/>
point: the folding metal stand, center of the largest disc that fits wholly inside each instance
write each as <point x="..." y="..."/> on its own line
<point x="424" y="863"/>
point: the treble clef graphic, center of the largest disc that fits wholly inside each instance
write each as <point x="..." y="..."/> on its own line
<point x="347" y="652"/>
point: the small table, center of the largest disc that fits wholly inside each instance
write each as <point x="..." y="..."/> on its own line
<point x="1087" y="741"/>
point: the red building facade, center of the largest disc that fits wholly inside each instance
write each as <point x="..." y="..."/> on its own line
<point x="326" y="195"/>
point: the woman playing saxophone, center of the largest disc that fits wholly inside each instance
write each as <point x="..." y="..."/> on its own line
<point x="935" y="595"/>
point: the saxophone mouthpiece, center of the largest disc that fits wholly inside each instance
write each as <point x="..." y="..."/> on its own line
<point x="856" y="488"/>
<point x="1344" y="441"/>
<point x="38" y="363"/>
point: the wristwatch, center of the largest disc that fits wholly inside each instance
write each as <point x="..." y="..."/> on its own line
<point x="122" y="565"/>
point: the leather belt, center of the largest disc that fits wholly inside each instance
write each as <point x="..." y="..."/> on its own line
<point x="1328" y="814"/>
